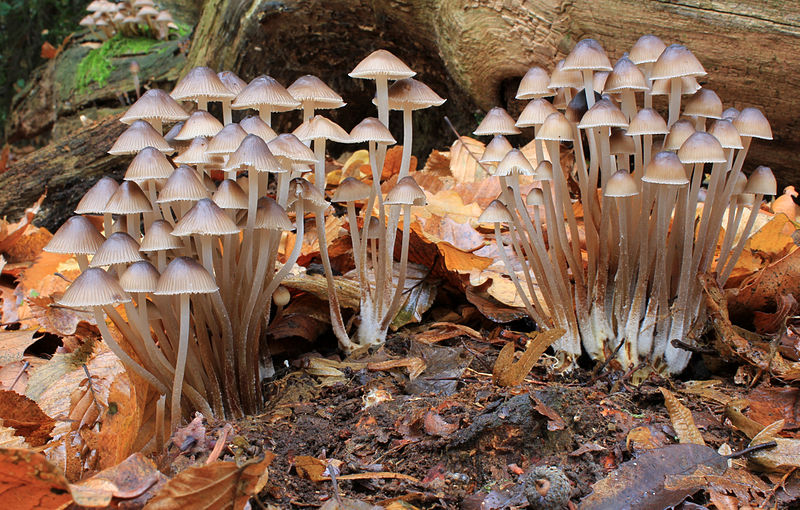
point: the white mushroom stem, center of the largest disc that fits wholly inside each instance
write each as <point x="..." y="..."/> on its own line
<point x="265" y="113"/>
<point x="180" y="366"/>
<point x="674" y="100"/>
<point x="511" y="273"/>
<point x="408" y="132"/>
<point x="737" y="252"/>
<point x="319" y="165"/>
<point x="83" y="261"/>
<point x="394" y="307"/>
<point x="123" y="356"/>
<point x="308" y="109"/>
<point x="157" y="125"/>
<point x="588" y="87"/>
<point x="333" y="299"/>
<point x="202" y="103"/>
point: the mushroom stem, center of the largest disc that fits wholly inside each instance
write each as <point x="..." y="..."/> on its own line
<point x="227" y="115"/>
<point x="83" y="261"/>
<point x="588" y="87"/>
<point x="408" y="128"/>
<point x="202" y="103"/>
<point x="512" y="274"/>
<point x="394" y="307"/>
<point x="319" y="165"/>
<point x="265" y="113"/>
<point x="308" y="110"/>
<point x="674" y="100"/>
<point x="333" y="300"/>
<point x="180" y="367"/>
<point x="737" y="252"/>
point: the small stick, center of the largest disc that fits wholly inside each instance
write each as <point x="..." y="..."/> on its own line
<point x="91" y="388"/>
<point x="22" y="371"/>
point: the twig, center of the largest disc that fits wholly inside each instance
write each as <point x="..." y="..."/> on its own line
<point x="220" y="444"/>
<point x="19" y="375"/>
<point x="91" y="388"/>
<point x="751" y="449"/>
<point x="599" y="370"/>
<point x="333" y="472"/>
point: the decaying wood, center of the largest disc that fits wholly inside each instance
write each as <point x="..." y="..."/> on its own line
<point x="66" y="169"/>
<point x="474" y="52"/>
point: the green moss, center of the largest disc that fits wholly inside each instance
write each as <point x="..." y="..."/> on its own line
<point x="96" y="67"/>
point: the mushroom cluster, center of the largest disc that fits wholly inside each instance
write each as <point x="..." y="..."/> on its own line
<point x="196" y="263"/>
<point x="626" y="285"/>
<point x="130" y="18"/>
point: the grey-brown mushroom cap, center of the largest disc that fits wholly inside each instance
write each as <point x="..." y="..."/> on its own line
<point x="141" y="276"/>
<point x="149" y="164"/>
<point x="205" y="218"/>
<point x="381" y="63"/>
<point x="371" y="130"/>
<point x="119" y="248"/>
<point x="201" y="82"/>
<point x="159" y="237"/>
<point x="77" y="235"/>
<point x="185" y="275"/>
<point x="157" y="105"/>
<point x="139" y="135"/>
<point x="94" y="201"/>
<point x="94" y="287"/>
<point x="265" y="91"/>
<point x="406" y="192"/>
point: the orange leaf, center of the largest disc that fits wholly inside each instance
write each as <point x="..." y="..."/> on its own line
<point x="29" y="482"/>
<point x="214" y="486"/>
<point x="48" y="51"/>
<point x="25" y="417"/>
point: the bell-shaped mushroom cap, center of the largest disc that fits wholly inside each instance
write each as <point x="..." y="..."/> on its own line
<point x="647" y="49"/>
<point x="195" y="154"/>
<point x="374" y="228"/>
<point x="77" y="235"/>
<point x="496" y="150"/>
<point x="201" y="82"/>
<point x="534" y="84"/>
<point x="730" y="113"/>
<point x="319" y="127"/>
<point x="603" y="114"/>
<point x="200" y="123"/>
<point x="94" y="201"/>
<point x="701" y="147"/>
<point x="253" y="125"/>
<point x="227" y="140"/>
<point x="119" y="248"/>
<point x="164" y="16"/>
<point x="139" y="135"/>
<point x="555" y="127"/>
<point x="495" y="212"/>
<point x="647" y="121"/>
<point x="351" y="190"/>
<point x="172" y="133"/>
<point x="301" y="189"/>
<point x="381" y="63"/>
<point x="535" y="198"/>
<point x="185" y="275"/>
<point x="535" y="112"/>
<point x="676" y="61"/>
<point x="621" y="184"/>
<point x="406" y="192"/>
<point x="310" y="89"/>
<point x="544" y="171"/>
<point x="761" y="182"/>
<point x="740" y="184"/>
<point x="148" y="11"/>
<point x="254" y="154"/>
<point x="271" y="216"/>
<point x="665" y="168"/>
<point x="727" y="135"/>
<point x="371" y="130"/>
<point x="154" y="104"/>
<point x="230" y="195"/>
<point x="87" y="21"/>
<point x="205" y="218"/>
<point x="689" y="86"/>
<point x="497" y="122"/>
<point x="231" y="81"/>
<point x="514" y="162"/>
<point x="704" y="103"/>
<point x="265" y="91"/>
<point x="625" y="76"/>
<point x="587" y="54"/>
<point x="129" y="199"/>
<point x="621" y="143"/>
<point x="159" y="237"/>
<point x="751" y="122"/>
<point x="562" y="78"/>
<point x="149" y="164"/>
<point x="678" y="133"/>
<point x="411" y="94"/>
<point x="288" y="146"/>
<point x="183" y="185"/>
<point x="94" y="287"/>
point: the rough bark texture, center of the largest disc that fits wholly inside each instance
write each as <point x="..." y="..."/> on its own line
<point x="65" y="169"/>
<point x="471" y="52"/>
<point x="474" y="52"/>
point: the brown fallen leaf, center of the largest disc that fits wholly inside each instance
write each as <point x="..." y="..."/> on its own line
<point x="55" y="319"/>
<point x="414" y="364"/>
<point x="768" y="404"/>
<point x="13" y="344"/>
<point x="134" y="478"/>
<point x="435" y="425"/>
<point x="507" y="372"/>
<point x="25" y="417"/>
<point x="221" y="485"/>
<point x="682" y="420"/>
<point x="29" y="482"/>
<point x="785" y="456"/>
<point x="761" y="291"/>
<point x="440" y="331"/>
<point x="310" y="468"/>
<point x="491" y="308"/>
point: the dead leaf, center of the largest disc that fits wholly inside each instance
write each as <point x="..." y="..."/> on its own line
<point x="769" y="404"/>
<point x="25" y="417"/>
<point x="492" y="309"/>
<point x="13" y="345"/>
<point x="414" y="364"/>
<point x="640" y="483"/>
<point x="506" y="372"/>
<point x="55" y="319"/>
<point x="310" y="468"/>
<point x="761" y="291"/>
<point x="11" y="233"/>
<point x="213" y="486"/>
<point x="435" y="425"/>
<point x="554" y="420"/>
<point x="785" y="456"/>
<point x="682" y="420"/>
<point x="641" y="438"/>
<point x="132" y="478"/>
<point x="440" y="331"/>
<point x="29" y="482"/>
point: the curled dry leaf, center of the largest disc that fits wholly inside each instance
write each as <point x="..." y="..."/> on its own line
<point x="435" y="425"/>
<point x="491" y="308"/>
<point x="785" y="456"/>
<point x="13" y="345"/>
<point x="134" y="478"/>
<point x="507" y="372"/>
<point x="220" y="485"/>
<point x="55" y="319"/>
<point x="25" y="417"/>
<point x="682" y="420"/>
